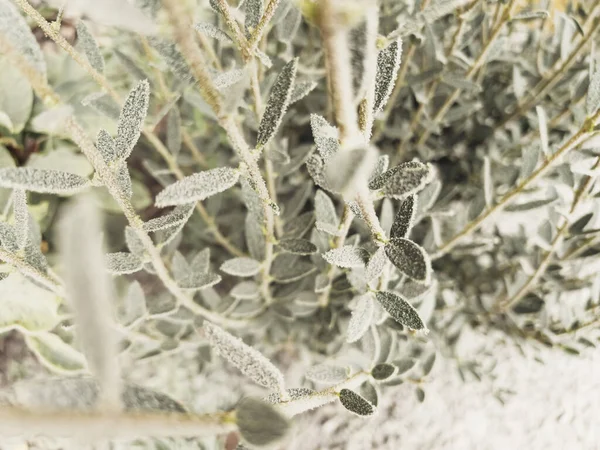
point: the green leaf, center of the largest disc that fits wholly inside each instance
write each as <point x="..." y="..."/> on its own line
<point x="241" y="267"/>
<point x="410" y="259"/>
<point x="179" y="215"/>
<point x="249" y="361"/>
<point x="388" y="63"/>
<point x="42" y="181"/>
<point x="361" y="318"/>
<point x="18" y="33"/>
<point x="260" y="424"/>
<point x="346" y="256"/>
<point x="405" y="217"/>
<point x="403" y="180"/>
<point x="356" y="404"/>
<point x="383" y="371"/>
<point x="298" y="246"/>
<point x="400" y="310"/>
<point x="90" y="47"/>
<point x="16" y="97"/>
<point x="131" y="119"/>
<point x="277" y="104"/>
<point x="197" y="187"/>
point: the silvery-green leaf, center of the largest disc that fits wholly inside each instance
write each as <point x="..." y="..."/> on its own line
<point x="326" y="137"/>
<point x="428" y="364"/>
<point x="201" y="262"/>
<point x="241" y="267"/>
<point x="519" y="83"/>
<point x="263" y="58"/>
<point x="400" y="310"/>
<point x="56" y="354"/>
<point x="8" y="237"/>
<point x="103" y="104"/>
<point x="16" y="97"/>
<point x="250" y="362"/>
<point x="404" y="179"/>
<point x="21" y="216"/>
<point x="229" y="78"/>
<point x="593" y="95"/>
<point x="213" y="31"/>
<point x="90" y="47"/>
<point x="106" y="146"/>
<point x="178" y="216"/>
<point x="246" y="290"/>
<point x="255" y="238"/>
<point x="174" y="131"/>
<point x="42" y="181"/>
<point x="124" y="179"/>
<point x="298" y="246"/>
<point x="288" y="26"/>
<point x="346" y="256"/>
<point x="18" y="33"/>
<point x="376" y="264"/>
<point x="325" y="209"/>
<point x="197" y="187"/>
<point x="196" y="281"/>
<point x="259" y="423"/>
<point x="301" y="90"/>
<point x="404" y="365"/>
<point x="130" y="65"/>
<point x="405" y="217"/>
<point x="131" y="119"/>
<point x="293" y="394"/>
<point x="543" y="126"/>
<point x="355" y="403"/>
<point x="277" y="105"/>
<point x="531" y="15"/>
<point x="121" y="263"/>
<point x="327" y="373"/>
<point x="361" y="318"/>
<point x="382" y="165"/>
<point x="388" y="63"/>
<point x="529" y="160"/>
<point x="316" y="170"/>
<point x="254" y="11"/>
<point x="383" y="371"/>
<point x="134" y="243"/>
<point x="173" y="57"/>
<point x="288" y="270"/>
<point x="348" y="171"/>
<point x="135" y="303"/>
<point x="410" y="259"/>
<point x="488" y="182"/>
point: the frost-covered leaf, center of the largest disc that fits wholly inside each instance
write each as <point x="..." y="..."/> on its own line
<point x="131" y="120"/>
<point x="278" y="102"/>
<point x="263" y="58"/>
<point x="121" y="263"/>
<point x="250" y="362"/>
<point x="197" y="187"/>
<point x="346" y="256"/>
<point x="289" y="270"/>
<point x="405" y="217"/>
<point x="173" y="57"/>
<point x="106" y="146"/>
<point x="530" y="15"/>
<point x="18" y="33"/>
<point x="592" y="103"/>
<point x="41" y="180"/>
<point x="134" y="243"/>
<point x="402" y="180"/>
<point x="376" y="264"/>
<point x="361" y="318"/>
<point x="210" y="30"/>
<point x="16" y="97"/>
<point x="488" y="182"/>
<point x="90" y="47"/>
<point x="529" y="160"/>
<point x="383" y="163"/>
<point x="174" y="131"/>
<point x="410" y="259"/>
<point x="21" y="216"/>
<point x="298" y="246"/>
<point x="246" y="290"/>
<point x="25" y="304"/>
<point x="400" y="310"/>
<point x="355" y="403"/>
<point x="241" y="267"/>
<point x="326" y="137"/>
<point x="196" y="281"/>
<point x="254" y="11"/>
<point x="388" y="63"/>
<point x="56" y="354"/>
<point x="383" y="371"/>
<point x="229" y="78"/>
<point x="325" y="209"/>
<point x="8" y="237"/>
<point x="301" y="90"/>
<point x="124" y="179"/>
<point x="347" y="172"/>
<point x="543" y="125"/>
<point x="327" y="373"/>
<point x="260" y="423"/>
<point x="293" y="394"/>
<point x="179" y="215"/>
<point x="102" y="103"/>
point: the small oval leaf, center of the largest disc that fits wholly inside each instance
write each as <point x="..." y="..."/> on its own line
<point x="410" y="259"/>
<point x="400" y="310"/>
<point x="355" y="403"/>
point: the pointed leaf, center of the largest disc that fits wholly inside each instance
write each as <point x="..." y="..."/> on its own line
<point x="197" y="187"/>
<point x="131" y="120"/>
<point x="301" y="90"/>
<point x="355" y="403"/>
<point x="250" y="362"/>
<point x="41" y="180"/>
<point x="405" y="217"/>
<point x="325" y="209"/>
<point x="197" y="281"/>
<point x="400" y="310"/>
<point x="376" y="264"/>
<point x="402" y="180"/>
<point x="361" y="318"/>
<point x="277" y="104"/>
<point x="254" y="12"/>
<point x="410" y="259"/>
<point x="210" y="30"/>
<point x="179" y="215"/>
<point x="326" y="137"/>
<point x="90" y="47"/>
<point x="298" y="246"/>
<point x="106" y="146"/>
<point x="241" y="267"/>
<point x="388" y="63"/>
